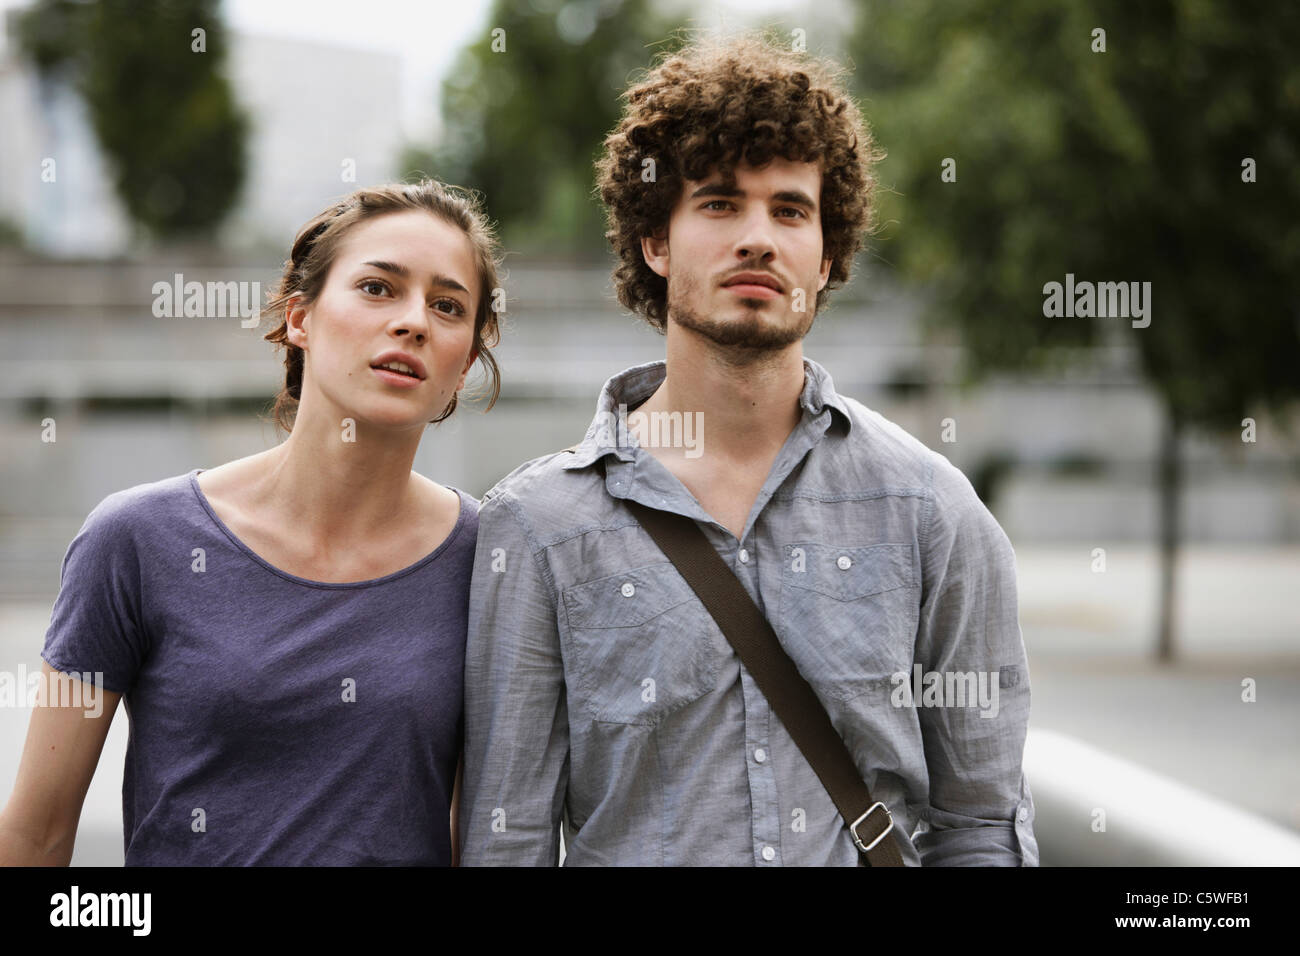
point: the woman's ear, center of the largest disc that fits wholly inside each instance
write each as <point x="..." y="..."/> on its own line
<point x="295" y="320"/>
<point x="473" y="354"/>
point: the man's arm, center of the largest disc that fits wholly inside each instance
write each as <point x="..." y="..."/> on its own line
<point x="516" y="718"/>
<point x="981" y="812"/>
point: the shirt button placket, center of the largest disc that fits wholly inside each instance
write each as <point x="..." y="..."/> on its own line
<point x="762" y="779"/>
<point x="762" y="776"/>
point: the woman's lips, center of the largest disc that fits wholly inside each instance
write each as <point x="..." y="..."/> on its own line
<point x="397" y="379"/>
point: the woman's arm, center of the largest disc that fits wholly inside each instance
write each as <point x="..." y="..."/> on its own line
<point x="39" y="823"/>
<point x="455" y="811"/>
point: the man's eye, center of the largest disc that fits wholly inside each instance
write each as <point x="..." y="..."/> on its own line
<point x="794" y="209"/>
<point x="714" y="202"/>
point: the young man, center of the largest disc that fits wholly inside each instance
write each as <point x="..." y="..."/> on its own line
<point x="599" y="692"/>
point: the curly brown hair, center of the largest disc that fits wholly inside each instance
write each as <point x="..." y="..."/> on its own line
<point x="715" y="102"/>
<point x="316" y="247"/>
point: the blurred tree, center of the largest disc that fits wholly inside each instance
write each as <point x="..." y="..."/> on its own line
<point x="1173" y="157"/>
<point x="525" y="111"/>
<point x="162" y="110"/>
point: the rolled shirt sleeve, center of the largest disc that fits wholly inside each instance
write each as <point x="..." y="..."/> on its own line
<point x="980" y="811"/>
<point x="516" y="718"/>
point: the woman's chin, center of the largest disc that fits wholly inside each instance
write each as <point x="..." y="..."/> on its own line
<point x="393" y="416"/>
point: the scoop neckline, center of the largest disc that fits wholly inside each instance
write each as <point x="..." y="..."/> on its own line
<point x="461" y="516"/>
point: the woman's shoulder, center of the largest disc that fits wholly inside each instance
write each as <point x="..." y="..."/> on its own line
<point x="129" y="523"/>
<point x="147" y="503"/>
<point x="448" y="499"/>
<point x="456" y="510"/>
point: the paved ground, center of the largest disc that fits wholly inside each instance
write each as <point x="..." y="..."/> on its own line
<point x="1087" y="634"/>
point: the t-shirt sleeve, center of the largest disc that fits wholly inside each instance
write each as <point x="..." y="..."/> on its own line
<point x="95" y="626"/>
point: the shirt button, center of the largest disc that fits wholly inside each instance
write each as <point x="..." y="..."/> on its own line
<point x="769" y="854"/>
<point x="1024" y="813"/>
<point x="744" y="556"/>
<point x="844" y="562"/>
<point x="627" y="589"/>
<point x="760" y="754"/>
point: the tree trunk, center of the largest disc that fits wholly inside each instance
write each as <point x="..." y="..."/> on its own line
<point x="1169" y="487"/>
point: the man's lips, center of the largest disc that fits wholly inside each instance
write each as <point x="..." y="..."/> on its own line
<point x="749" y="290"/>
<point x="760" y="285"/>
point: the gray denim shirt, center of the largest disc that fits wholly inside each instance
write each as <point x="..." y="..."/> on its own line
<point x="600" y="694"/>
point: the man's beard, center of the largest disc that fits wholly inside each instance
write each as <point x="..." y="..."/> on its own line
<point x="754" y="329"/>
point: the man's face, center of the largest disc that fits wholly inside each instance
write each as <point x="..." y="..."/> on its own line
<point x="766" y="222"/>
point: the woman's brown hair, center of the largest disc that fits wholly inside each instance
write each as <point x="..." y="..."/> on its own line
<point x="316" y="246"/>
<point x="711" y="104"/>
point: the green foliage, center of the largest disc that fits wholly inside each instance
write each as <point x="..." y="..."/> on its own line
<point x="525" y="125"/>
<point x="163" y="113"/>
<point x="1117" y="166"/>
<point x="11" y="234"/>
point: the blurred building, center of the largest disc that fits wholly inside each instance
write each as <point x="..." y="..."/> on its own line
<point x="325" y="119"/>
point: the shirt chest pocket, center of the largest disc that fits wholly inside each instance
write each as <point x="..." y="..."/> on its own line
<point x="642" y="644"/>
<point x="848" y="616"/>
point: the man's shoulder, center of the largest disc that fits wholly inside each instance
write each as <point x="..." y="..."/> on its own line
<point x="547" y="497"/>
<point x="898" y="459"/>
<point x="895" y="455"/>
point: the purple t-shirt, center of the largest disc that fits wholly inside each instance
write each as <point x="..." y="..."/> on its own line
<point x="273" y="720"/>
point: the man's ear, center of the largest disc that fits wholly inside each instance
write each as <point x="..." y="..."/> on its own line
<point x="295" y="318"/>
<point x="655" y="251"/>
<point x="825" y="274"/>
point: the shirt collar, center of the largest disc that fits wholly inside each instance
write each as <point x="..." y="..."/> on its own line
<point x="634" y="385"/>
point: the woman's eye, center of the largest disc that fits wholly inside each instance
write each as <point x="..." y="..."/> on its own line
<point x="456" y="308"/>
<point x="372" y="282"/>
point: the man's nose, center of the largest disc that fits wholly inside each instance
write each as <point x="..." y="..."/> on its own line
<point x="756" y="239"/>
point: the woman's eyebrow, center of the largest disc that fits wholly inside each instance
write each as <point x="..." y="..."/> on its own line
<point x="396" y="268"/>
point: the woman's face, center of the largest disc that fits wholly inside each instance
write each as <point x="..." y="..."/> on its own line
<point x="402" y="292"/>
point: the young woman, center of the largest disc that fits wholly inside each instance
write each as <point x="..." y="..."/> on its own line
<point x="288" y="630"/>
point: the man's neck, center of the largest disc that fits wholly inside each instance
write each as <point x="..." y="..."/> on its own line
<point x="750" y="404"/>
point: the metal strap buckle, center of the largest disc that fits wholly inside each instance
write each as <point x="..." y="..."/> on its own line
<point x="853" y="828"/>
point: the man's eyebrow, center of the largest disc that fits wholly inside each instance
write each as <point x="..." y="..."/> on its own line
<point x="396" y="268"/>
<point x="796" y="196"/>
